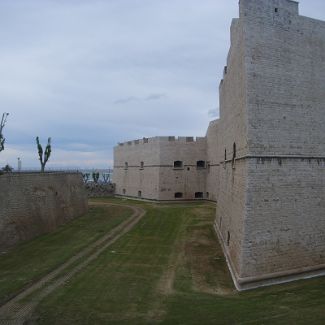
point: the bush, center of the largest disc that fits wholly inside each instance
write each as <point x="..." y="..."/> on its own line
<point x="7" y="169"/>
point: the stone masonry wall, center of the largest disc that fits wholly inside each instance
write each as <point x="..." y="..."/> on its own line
<point x="213" y="163"/>
<point x="132" y="178"/>
<point x="231" y="212"/>
<point x="145" y="168"/>
<point x="265" y="155"/>
<point x="282" y="235"/>
<point x="285" y="63"/>
<point x="37" y="203"/>
<point x="100" y="189"/>
<point x="189" y="179"/>
<point x="232" y="145"/>
<point x="286" y="216"/>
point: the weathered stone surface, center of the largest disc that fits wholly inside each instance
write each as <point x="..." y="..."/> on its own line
<point x="157" y="178"/>
<point x="271" y="204"/>
<point x="100" y="189"/>
<point x="36" y="203"/>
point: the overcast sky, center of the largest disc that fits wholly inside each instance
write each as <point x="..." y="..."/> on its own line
<point x="92" y="73"/>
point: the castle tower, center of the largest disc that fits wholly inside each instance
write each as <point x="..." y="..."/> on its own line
<point x="271" y="200"/>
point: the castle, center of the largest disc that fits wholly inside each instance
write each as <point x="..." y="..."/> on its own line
<point x="263" y="161"/>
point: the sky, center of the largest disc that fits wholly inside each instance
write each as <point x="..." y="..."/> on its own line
<point x="92" y="73"/>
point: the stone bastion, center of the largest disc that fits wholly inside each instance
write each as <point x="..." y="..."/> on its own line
<point x="32" y="204"/>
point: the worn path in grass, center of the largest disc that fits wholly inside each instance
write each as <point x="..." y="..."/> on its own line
<point x="132" y="281"/>
<point x="18" y="309"/>
<point x="170" y="269"/>
<point x="30" y="261"/>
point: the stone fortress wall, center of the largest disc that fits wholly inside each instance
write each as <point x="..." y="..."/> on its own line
<point x="37" y="203"/>
<point x="232" y="144"/>
<point x="213" y="161"/>
<point x="161" y="168"/>
<point x="130" y="176"/>
<point x="284" y="226"/>
<point x="264" y="157"/>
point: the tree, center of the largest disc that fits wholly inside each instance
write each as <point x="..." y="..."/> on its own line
<point x="44" y="158"/>
<point x="2" y="125"/>
<point x="85" y="177"/>
<point x="95" y="177"/>
<point x="106" y="177"/>
<point x="7" y="169"/>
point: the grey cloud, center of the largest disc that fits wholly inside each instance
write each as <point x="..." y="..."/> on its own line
<point x="155" y="96"/>
<point x="126" y="100"/>
<point x="213" y="113"/>
<point x="134" y="99"/>
<point x="68" y="67"/>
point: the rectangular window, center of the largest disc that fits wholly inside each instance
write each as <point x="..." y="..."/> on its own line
<point x="199" y="195"/>
<point x="200" y="164"/>
<point x="178" y="164"/>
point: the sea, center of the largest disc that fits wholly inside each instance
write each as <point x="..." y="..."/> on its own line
<point x="105" y="175"/>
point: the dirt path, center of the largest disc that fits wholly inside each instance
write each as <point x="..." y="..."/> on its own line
<point x="19" y="309"/>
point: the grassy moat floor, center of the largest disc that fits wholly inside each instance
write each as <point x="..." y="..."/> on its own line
<point x="169" y="269"/>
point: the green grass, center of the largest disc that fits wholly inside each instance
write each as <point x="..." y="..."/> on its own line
<point x="170" y="269"/>
<point x="120" y="285"/>
<point x="300" y="304"/>
<point x="33" y="259"/>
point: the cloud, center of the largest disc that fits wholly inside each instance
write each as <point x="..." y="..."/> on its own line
<point x="126" y="100"/>
<point x="213" y="113"/>
<point x="91" y="74"/>
<point x="129" y="99"/>
<point x="60" y="158"/>
<point x="155" y="96"/>
<point x="67" y="69"/>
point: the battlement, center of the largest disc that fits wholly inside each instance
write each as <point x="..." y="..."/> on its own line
<point x="156" y="140"/>
<point x="270" y="8"/>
